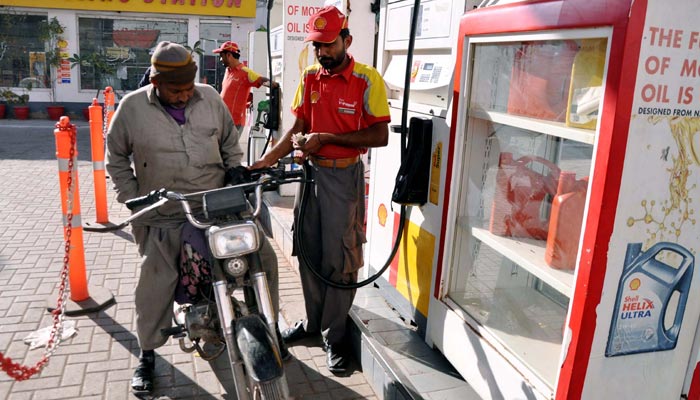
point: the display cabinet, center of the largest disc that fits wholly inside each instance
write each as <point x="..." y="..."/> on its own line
<point x="528" y="141"/>
<point x="570" y="231"/>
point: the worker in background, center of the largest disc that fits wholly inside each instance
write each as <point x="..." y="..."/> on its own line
<point x="238" y="80"/>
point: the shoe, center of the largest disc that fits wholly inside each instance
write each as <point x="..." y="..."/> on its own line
<point x="142" y="381"/>
<point x="297" y="332"/>
<point x="336" y="360"/>
<point x="284" y="352"/>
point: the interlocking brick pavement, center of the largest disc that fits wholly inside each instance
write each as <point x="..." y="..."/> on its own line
<point x="98" y="362"/>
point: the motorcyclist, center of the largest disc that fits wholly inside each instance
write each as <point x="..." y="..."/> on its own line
<point x="180" y="137"/>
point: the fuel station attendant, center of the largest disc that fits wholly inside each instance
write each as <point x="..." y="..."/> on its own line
<point x="341" y="109"/>
<point x="238" y="80"/>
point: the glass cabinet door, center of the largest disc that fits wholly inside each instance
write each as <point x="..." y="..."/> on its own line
<point x="530" y="133"/>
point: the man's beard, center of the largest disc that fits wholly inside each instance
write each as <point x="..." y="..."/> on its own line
<point x="330" y="63"/>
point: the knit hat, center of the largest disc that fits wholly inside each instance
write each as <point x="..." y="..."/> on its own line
<point x="325" y="25"/>
<point x="227" y="46"/>
<point x="172" y="63"/>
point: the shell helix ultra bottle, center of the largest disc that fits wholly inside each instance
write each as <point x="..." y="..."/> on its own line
<point x="640" y="323"/>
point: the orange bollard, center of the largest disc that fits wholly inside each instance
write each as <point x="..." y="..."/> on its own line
<point x="67" y="154"/>
<point x="109" y="108"/>
<point x="97" y="144"/>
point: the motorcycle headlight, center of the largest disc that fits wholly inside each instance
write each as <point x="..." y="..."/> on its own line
<point x="233" y="240"/>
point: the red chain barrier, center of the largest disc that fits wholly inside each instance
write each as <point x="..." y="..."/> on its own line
<point x="21" y="372"/>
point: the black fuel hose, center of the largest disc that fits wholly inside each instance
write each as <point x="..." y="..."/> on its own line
<point x="301" y="248"/>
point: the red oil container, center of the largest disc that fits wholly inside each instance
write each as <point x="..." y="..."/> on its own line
<point x="518" y="197"/>
<point x="565" y="221"/>
<point x="540" y="80"/>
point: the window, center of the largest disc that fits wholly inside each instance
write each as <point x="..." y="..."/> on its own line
<point x="117" y="52"/>
<point x="213" y="35"/>
<point x="22" y="53"/>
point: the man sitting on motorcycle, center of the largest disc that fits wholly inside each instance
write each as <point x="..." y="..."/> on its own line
<point x="181" y="137"/>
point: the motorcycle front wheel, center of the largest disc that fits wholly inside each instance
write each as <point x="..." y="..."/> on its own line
<point x="261" y="358"/>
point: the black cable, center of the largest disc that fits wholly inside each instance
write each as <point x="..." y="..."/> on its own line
<point x="270" y="3"/>
<point x="303" y="256"/>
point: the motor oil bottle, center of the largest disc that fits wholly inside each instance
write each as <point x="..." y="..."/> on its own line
<point x="586" y="89"/>
<point x="646" y="286"/>
<point x="565" y="221"/>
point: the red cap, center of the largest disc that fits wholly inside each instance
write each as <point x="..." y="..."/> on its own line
<point x="325" y="25"/>
<point x="227" y="46"/>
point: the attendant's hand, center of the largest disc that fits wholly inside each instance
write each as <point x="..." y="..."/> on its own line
<point x="266" y="161"/>
<point x="307" y="144"/>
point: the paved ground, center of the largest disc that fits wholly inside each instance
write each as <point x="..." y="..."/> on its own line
<point x="98" y="362"/>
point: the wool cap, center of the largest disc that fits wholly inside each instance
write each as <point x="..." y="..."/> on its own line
<point x="172" y="63"/>
<point x="228" y="46"/>
<point x="325" y="25"/>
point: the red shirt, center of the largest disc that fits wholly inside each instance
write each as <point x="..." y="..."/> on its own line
<point x="236" y="88"/>
<point x="348" y="101"/>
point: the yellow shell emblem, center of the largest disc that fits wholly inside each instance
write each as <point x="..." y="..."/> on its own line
<point x="635" y="284"/>
<point x="382" y="214"/>
<point x="320" y="23"/>
<point x="315" y="96"/>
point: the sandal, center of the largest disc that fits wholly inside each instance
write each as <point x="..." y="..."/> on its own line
<point x="142" y="380"/>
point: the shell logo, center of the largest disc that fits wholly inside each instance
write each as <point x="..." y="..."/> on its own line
<point x="382" y="214"/>
<point x="320" y="23"/>
<point x="315" y="96"/>
<point x="635" y="284"/>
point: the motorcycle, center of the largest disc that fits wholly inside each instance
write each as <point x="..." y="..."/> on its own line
<point x="231" y="309"/>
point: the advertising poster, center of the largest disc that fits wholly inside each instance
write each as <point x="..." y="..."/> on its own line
<point x="297" y="53"/>
<point x="650" y="305"/>
<point x="37" y="69"/>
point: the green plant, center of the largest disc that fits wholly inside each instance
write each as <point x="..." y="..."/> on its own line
<point x="97" y="61"/>
<point x="13" y="98"/>
<point x="196" y="48"/>
<point x="50" y="32"/>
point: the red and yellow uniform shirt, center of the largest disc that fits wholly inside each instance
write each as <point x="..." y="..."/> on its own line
<point x="346" y="102"/>
<point x="235" y="90"/>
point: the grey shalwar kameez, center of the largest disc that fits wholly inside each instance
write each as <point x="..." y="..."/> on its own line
<point x="183" y="158"/>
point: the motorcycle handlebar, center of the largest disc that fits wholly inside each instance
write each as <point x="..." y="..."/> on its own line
<point x="145" y="200"/>
<point x="261" y="180"/>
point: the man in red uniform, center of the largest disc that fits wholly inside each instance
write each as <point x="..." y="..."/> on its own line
<point x="341" y="109"/>
<point x="237" y="83"/>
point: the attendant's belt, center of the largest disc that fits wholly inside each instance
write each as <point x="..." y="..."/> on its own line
<point x="334" y="163"/>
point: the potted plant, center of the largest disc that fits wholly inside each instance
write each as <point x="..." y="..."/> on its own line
<point x="19" y="103"/>
<point x="3" y="107"/>
<point x="50" y="32"/>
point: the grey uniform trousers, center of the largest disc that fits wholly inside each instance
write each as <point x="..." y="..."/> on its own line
<point x="155" y="290"/>
<point x="332" y="235"/>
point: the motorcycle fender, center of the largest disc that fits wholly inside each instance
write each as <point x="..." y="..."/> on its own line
<point x="258" y="351"/>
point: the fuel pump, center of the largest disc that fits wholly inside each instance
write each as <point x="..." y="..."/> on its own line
<point x="267" y="118"/>
<point x="268" y="111"/>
